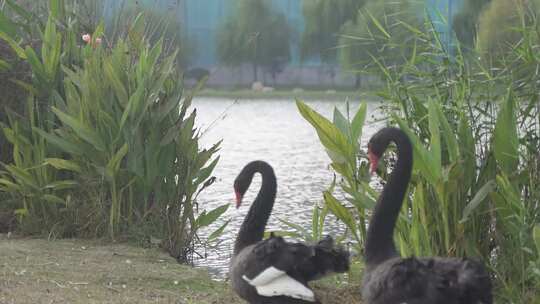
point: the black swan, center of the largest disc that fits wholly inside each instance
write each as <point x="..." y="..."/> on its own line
<point x="390" y="279"/>
<point x="273" y="270"/>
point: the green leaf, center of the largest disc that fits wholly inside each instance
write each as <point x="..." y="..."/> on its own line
<point x="378" y="25"/>
<point x="119" y="88"/>
<point x="84" y="132"/>
<point x="61" y="143"/>
<point x="204" y="173"/>
<point x="315" y="221"/>
<point x="56" y="9"/>
<point x="218" y="232"/>
<point x="339" y="210"/>
<point x="21" y="212"/>
<point x="536" y="237"/>
<point x="448" y="135"/>
<point x="422" y="158"/>
<point x="435" y="141"/>
<point x="27" y="15"/>
<point x="63" y="164"/>
<point x="206" y="219"/>
<point x="330" y="136"/>
<point x="4" y="65"/>
<point x="301" y="231"/>
<point x="7" y="25"/>
<point x="505" y="143"/>
<point x="61" y="185"/>
<point x="358" y="122"/>
<point x="282" y="233"/>
<point x="9" y="186"/>
<point x="14" y="45"/>
<point x="53" y="199"/>
<point x="479" y="197"/>
<point x="341" y="122"/>
<point x="22" y="176"/>
<point x="37" y="66"/>
<point x="114" y="163"/>
<point x="28" y="87"/>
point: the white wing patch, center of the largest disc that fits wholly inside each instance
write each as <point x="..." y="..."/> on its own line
<point x="274" y="282"/>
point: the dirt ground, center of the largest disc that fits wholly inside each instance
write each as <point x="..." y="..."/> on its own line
<point x="77" y="271"/>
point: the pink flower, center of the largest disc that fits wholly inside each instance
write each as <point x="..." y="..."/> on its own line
<point x="98" y="40"/>
<point x="86" y="38"/>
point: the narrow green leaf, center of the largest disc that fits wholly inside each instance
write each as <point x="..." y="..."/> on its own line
<point x="26" y="86"/>
<point x="218" y="232"/>
<point x="37" y="66"/>
<point x="204" y="173"/>
<point x="22" y="176"/>
<point x="65" y="145"/>
<point x="14" y="45"/>
<point x="341" y="122"/>
<point x="4" y="65"/>
<point x="114" y="163"/>
<point x="506" y="137"/>
<point x="84" y="132"/>
<point x="315" y="221"/>
<point x="27" y="15"/>
<point x="339" y="210"/>
<point x="435" y="141"/>
<point x="7" y="25"/>
<point x="358" y="121"/>
<point x="63" y="164"/>
<point x="9" y="186"/>
<point x="479" y="197"/>
<point x="282" y="233"/>
<point x="21" y="212"/>
<point x="422" y="158"/>
<point x="448" y="135"/>
<point x="206" y="219"/>
<point x="119" y="88"/>
<point x="378" y="25"/>
<point x="299" y="229"/>
<point x="536" y="237"/>
<point x="53" y="199"/>
<point x="61" y="185"/>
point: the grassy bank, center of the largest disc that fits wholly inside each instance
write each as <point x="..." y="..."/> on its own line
<point x="76" y="271"/>
<point x="283" y="94"/>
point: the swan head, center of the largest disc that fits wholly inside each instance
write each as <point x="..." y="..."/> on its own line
<point x="241" y="185"/>
<point x="378" y="144"/>
<point x="373" y="159"/>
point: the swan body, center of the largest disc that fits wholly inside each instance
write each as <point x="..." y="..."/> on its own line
<point x="274" y="270"/>
<point x="390" y="279"/>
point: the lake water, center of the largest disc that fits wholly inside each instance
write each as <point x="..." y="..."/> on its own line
<point x="274" y="131"/>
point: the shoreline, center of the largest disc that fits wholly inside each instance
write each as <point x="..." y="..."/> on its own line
<point x="286" y="94"/>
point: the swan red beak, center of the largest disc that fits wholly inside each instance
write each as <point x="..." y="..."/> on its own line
<point x="373" y="161"/>
<point x="238" y="199"/>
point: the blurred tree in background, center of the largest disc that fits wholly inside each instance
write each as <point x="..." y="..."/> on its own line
<point x="499" y="24"/>
<point x="465" y="22"/>
<point x="323" y="21"/>
<point x="159" y="24"/>
<point x="379" y="31"/>
<point x="254" y="34"/>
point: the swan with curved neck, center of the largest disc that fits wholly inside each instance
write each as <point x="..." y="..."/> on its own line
<point x="273" y="270"/>
<point x="390" y="279"/>
<point x="252" y="229"/>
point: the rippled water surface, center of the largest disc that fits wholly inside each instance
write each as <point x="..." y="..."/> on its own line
<point x="274" y="131"/>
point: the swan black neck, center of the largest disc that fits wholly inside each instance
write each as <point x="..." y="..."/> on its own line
<point x="252" y="229"/>
<point x="379" y="243"/>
